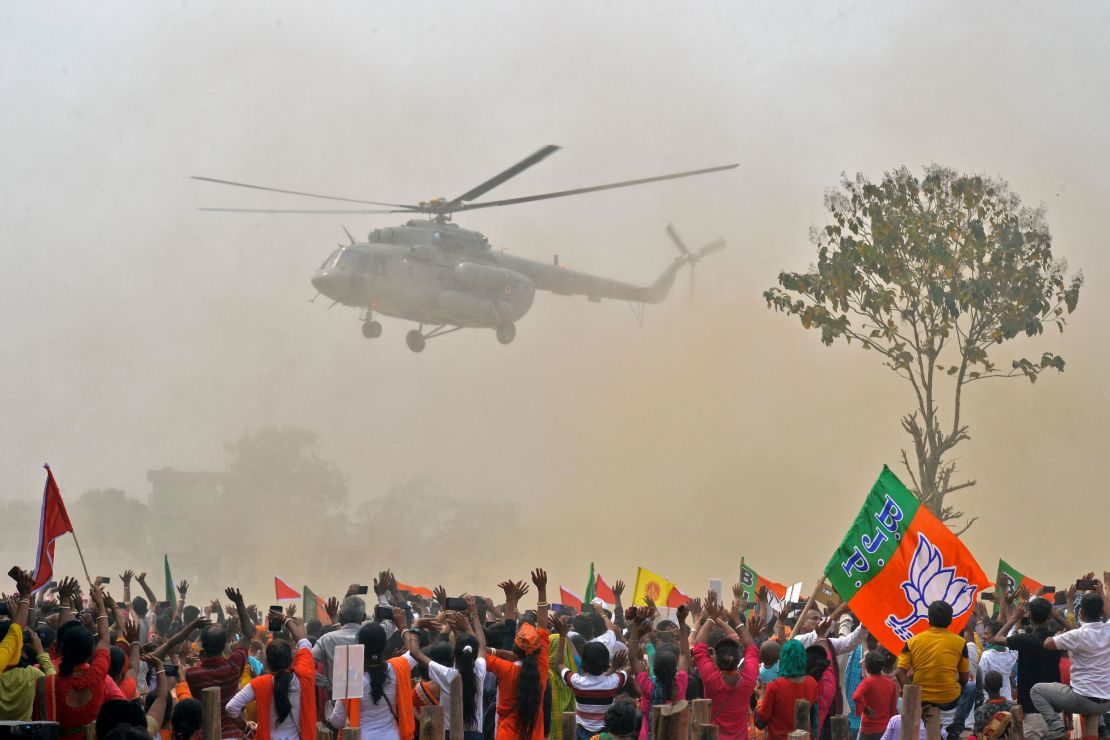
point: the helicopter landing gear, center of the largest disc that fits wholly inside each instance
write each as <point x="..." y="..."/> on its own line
<point x="415" y="340"/>
<point x="371" y="330"/>
<point x="506" y="333"/>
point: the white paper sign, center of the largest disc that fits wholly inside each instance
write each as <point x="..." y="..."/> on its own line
<point x="717" y="587"/>
<point x="346" y="672"/>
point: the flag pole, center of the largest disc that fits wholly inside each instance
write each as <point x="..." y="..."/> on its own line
<point x="81" y="555"/>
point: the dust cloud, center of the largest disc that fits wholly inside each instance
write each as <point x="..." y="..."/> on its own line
<point x="141" y="333"/>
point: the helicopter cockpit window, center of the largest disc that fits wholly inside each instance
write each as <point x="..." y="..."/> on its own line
<point x="375" y="235"/>
<point x="346" y="259"/>
<point x="329" y="259"/>
<point x="386" y="236"/>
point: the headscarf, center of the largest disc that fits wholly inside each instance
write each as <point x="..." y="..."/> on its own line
<point x="792" y="660"/>
<point x="527" y="639"/>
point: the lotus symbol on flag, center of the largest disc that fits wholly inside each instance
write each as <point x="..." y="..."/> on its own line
<point x="928" y="581"/>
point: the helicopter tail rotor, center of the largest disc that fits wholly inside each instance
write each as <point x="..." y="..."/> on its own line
<point x="692" y="258"/>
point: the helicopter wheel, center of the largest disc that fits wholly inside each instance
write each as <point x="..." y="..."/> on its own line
<point x="415" y="340"/>
<point x="506" y="333"/>
<point x="371" y="330"/>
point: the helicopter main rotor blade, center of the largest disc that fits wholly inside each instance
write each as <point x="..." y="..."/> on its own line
<point x="681" y="245"/>
<point x="295" y="210"/>
<point x="496" y="180"/>
<point x="595" y="188"/>
<point x="297" y="192"/>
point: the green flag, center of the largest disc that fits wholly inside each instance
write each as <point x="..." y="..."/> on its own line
<point x="591" y="584"/>
<point x="170" y="597"/>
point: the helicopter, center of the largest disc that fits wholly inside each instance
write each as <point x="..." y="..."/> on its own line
<point x="431" y="271"/>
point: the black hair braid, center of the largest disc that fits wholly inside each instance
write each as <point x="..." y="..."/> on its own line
<point x="529" y="695"/>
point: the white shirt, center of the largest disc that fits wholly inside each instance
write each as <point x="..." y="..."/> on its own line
<point x="444" y="675"/>
<point x="376" y="721"/>
<point x="290" y="727"/>
<point x="838" y="645"/>
<point x="1090" y="658"/>
<point x="1002" y="661"/>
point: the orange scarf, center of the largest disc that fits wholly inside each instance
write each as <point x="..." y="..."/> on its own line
<point x="406" y="718"/>
<point x="304" y="672"/>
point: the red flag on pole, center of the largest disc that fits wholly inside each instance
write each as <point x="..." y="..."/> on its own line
<point x="283" y="591"/>
<point x="569" y="600"/>
<point x="676" y="598"/>
<point x="603" y="592"/>
<point x="53" y="523"/>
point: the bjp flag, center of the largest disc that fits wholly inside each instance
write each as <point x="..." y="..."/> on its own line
<point x="898" y="558"/>
<point x="653" y="585"/>
<point x="1010" y="580"/>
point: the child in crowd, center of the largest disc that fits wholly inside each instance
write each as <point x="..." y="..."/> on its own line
<point x="876" y="698"/>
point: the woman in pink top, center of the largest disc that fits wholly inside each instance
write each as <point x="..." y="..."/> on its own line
<point x="670" y="670"/>
<point x="728" y="683"/>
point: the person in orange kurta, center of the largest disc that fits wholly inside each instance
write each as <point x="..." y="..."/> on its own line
<point x="522" y="683"/>
<point x="286" y="696"/>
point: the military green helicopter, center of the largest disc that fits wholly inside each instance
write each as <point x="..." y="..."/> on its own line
<point x="447" y="278"/>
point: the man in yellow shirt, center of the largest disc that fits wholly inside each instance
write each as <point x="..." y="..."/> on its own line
<point x="938" y="659"/>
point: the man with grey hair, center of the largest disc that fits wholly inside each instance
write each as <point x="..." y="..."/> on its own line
<point x="352" y="613"/>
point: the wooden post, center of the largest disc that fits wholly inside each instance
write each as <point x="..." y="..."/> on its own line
<point x="350" y="733"/>
<point x="911" y="711"/>
<point x="674" y="721"/>
<point x="707" y="732"/>
<point x="701" y="713"/>
<point x="1017" y="723"/>
<point x="213" y="713"/>
<point x="838" y="727"/>
<point x="456" y="709"/>
<point x="802" y="716"/>
<point x="570" y="725"/>
<point x="931" y="715"/>
<point x="431" y="723"/>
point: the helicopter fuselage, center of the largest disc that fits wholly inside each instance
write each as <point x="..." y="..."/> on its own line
<point x="442" y="275"/>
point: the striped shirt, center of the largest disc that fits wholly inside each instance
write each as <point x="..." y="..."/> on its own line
<point x="594" y="695"/>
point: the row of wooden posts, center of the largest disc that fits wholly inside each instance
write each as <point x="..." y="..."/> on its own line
<point x="680" y="721"/>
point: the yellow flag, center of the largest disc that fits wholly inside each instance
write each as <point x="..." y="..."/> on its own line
<point x="653" y="585"/>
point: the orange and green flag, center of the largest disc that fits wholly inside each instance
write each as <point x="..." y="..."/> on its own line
<point x="653" y="585"/>
<point x="1010" y="580"/>
<point x="314" y="607"/>
<point x="751" y="582"/>
<point x="898" y="558"/>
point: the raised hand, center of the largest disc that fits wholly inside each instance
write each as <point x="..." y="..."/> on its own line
<point x="290" y="611"/>
<point x="332" y="608"/>
<point x="67" y="589"/>
<point x="141" y="577"/>
<point x="400" y="619"/>
<point x="683" y="613"/>
<point x="131" y="630"/>
<point x="352" y="590"/>
<point x="441" y="595"/>
<point x="539" y="577"/>
<point x="183" y="588"/>
<point x="381" y="583"/>
<point x="738" y="592"/>
<point x="127" y="576"/>
<point x="471" y="604"/>
<point x="234" y="595"/>
<point x="24" y="582"/>
<point x="696" y="608"/>
<point x="618" y="589"/>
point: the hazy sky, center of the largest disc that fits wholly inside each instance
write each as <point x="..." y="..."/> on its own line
<point x="138" y="332"/>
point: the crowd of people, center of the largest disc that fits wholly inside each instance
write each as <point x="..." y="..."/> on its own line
<point x="134" y="667"/>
